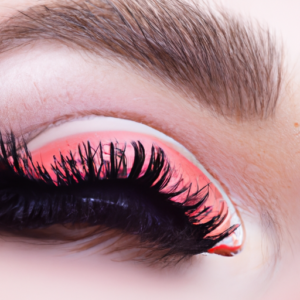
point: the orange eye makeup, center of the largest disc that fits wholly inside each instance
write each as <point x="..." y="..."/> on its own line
<point x="137" y="181"/>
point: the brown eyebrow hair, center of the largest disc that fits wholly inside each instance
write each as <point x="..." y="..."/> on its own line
<point x="231" y="66"/>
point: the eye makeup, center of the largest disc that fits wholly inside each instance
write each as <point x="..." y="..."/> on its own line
<point x="133" y="179"/>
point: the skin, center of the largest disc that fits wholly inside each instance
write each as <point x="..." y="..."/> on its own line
<point x="262" y="164"/>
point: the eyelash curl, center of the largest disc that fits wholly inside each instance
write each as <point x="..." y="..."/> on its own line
<point x="99" y="193"/>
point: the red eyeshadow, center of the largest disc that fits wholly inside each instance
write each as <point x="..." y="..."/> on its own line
<point x="182" y="167"/>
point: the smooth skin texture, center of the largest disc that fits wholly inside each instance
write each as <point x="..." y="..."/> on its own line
<point x="254" y="161"/>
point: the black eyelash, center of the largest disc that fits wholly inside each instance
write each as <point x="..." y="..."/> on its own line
<point x="139" y="203"/>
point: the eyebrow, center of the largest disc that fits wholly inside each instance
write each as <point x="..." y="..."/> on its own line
<point x="228" y="65"/>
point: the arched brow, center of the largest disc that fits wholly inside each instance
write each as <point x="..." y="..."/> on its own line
<point x="226" y="64"/>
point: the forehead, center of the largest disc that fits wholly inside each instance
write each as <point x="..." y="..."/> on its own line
<point x="280" y="16"/>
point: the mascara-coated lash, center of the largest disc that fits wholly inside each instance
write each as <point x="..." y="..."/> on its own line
<point x="97" y="191"/>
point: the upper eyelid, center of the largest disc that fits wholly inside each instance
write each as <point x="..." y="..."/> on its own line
<point x="95" y="124"/>
<point x="9" y="147"/>
<point x="267" y="218"/>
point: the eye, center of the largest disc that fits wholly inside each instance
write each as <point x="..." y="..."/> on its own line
<point x="117" y="177"/>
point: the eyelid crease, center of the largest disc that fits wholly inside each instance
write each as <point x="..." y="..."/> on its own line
<point x="94" y="123"/>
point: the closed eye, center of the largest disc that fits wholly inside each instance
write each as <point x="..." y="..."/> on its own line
<point x="114" y="186"/>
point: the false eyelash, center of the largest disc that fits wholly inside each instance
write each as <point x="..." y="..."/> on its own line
<point x="99" y="192"/>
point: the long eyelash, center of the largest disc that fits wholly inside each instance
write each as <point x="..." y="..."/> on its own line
<point x="99" y="192"/>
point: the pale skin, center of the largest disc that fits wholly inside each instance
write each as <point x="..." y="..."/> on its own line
<point x="262" y="163"/>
